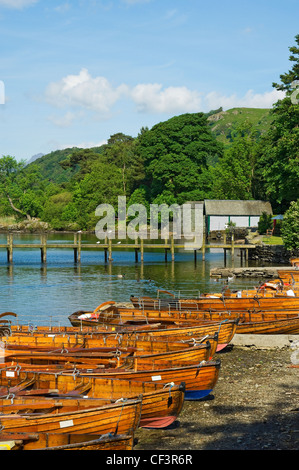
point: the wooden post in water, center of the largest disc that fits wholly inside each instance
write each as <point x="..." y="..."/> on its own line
<point x="136" y="250"/>
<point x="233" y="244"/>
<point x="141" y="250"/>
<point x="9" y="247"/>
<point x="79" y="246"/>
<point x="166" y="250"/>
<point x="203" y="248"/>
<point x="43" y="250"/>
<point x="110" y="250"/>
<point x="172" y="247"/>
<point x="75" y="247"/>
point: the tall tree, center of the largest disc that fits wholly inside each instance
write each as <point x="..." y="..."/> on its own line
<point x="121" y="151"/>
<point x="278" y="162"/>
<point x="233" y="176"/>
<point x="175" y="153"/>
<point x="21" y="187"/>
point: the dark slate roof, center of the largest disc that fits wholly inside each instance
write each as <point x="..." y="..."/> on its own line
<point x="234" y="207"/>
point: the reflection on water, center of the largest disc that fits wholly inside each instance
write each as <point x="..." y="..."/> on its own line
<point x="41" y="293"/>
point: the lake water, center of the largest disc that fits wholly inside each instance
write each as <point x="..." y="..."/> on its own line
<point x="48" y="293"/>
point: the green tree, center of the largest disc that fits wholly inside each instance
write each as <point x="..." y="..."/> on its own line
<point x="290" y="227"/>
<point x="278" y="157"/>
<point x="121" y="152"/>
<point x="21" y="188"/>
<point x="175" y="153"/>
<point x="233" y="176"/>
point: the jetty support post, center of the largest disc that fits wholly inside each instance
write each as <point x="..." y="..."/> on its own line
<point x="43" y="249"/>
<point x="172" y="248"/>
<point x="110" y="250"/>
<point x="79" y="246"/>
<point x="233" y="245"/>
<point x="141" y="250"/>
<point x="75" y="247"/>
<point x="9" y="247"/>
<point x="203" y="248"/>
<point x="136" y="250"/>
<point x="166" y="250"/>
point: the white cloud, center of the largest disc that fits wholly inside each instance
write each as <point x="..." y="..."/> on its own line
<point x="80" y="93"/>
<point x="17" y="4"/>
<point x="83" y="91"/>
<point x="152" y="98"/>
<point x="214" y="100"/>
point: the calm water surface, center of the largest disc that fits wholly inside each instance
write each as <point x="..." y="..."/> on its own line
<point x="48" y="293"/>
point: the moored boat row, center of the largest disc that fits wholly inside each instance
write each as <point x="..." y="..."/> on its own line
<point x="116" y="368"/>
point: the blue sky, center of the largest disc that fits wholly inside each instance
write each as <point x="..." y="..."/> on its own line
<point x="76" y="72"/>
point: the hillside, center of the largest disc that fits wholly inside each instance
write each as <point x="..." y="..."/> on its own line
<point x="50" y="168"/>
<point x="224" y="123"/>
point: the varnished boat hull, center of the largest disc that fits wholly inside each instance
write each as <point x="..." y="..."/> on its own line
<point x="200" y="378"/>
<point x="288" y="326"/>
<point x="58" y="441"/>
<point x="120" y="418"/>
<point x="160" y="403"/>
<point x="215" y="303"/>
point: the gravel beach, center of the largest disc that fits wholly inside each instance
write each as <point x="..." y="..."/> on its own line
<point x="254" y="406"/>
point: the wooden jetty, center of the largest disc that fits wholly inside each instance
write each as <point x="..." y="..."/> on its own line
<point x="138" y="246"/>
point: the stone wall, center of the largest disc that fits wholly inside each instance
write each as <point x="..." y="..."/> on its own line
<point x="271" y="254"/>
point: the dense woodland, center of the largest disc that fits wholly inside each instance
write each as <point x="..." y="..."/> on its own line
<point x="188" y="157"/>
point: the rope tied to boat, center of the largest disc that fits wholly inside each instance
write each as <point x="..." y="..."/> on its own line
<point x="170" y="385"/>
<point x="202" y="363"/>
<point x="124" y="400"/>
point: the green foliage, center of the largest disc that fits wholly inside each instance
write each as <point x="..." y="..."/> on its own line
<point x="265" y="223"/>
<point x="290" y="227"/>
<point x="175" y="153"/>
<point x="233" y="175"/>
<point x="278" y="162"/>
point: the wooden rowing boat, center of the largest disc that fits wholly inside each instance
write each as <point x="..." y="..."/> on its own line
<point x="168" y="336"/>
<point x="251" y="317"/>
<point x="117" y="418"/>
<point x="212" y="302"/>
<point x="289" y="276"/>
<point x="199" y="379"/>
<point x="161" y="403"/>
<point x="65" y="441"/>
<point x="89" y="360"/>
<point x="110" y="344"/>
<point x="267" y="326"/>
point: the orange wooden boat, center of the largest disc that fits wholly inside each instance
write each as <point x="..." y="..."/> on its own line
<point x="65" y="441"/>
<point x="109" y="344"/>
<point x="213" y="302"/>
<point x="249" y="316"/>
<point x="289" y="326"/>
<point x="170" y="330"/>
<point x="95" y="362"/>
<point x="289" y="276"/>
<point x="199" y="379"/>
<point x="120" y="418"/>
<point x="161" y="403"/>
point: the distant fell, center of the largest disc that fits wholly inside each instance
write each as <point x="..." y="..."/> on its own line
<point x="50" y="168"/>
<point x="224" y="123"/>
